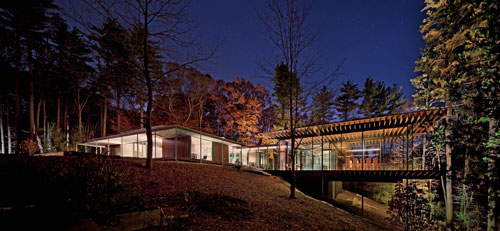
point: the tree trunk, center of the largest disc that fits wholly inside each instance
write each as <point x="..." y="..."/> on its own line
<point x="201" y="115"/>
<point x="37" y="120"/>
<point x="104" y="117"/>
<point x="58" y="123"/>
<point x="2" y="141"/>
<point x="118" y="112"/>
<point x="80" y="121"/>
<point x="149" y="134"/>
<point x="18" y="97"/>
<point x="292" y="139"/>
<point x="44" y="122"/>
<point x="65" y="118"/>
<point x="141" y="114"/>
<point x="449" y="186"/>
<point x="16" y="117"/>
<point x="9" y="137"/>
<point x="424" y="150"/>
<point x="32" y="104"/>
<point x="66" y="124"/>
<point x="492" y="193"/>
<point x="190" y="107"/>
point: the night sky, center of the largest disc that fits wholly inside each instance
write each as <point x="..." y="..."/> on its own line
<point x="377" y="38"/>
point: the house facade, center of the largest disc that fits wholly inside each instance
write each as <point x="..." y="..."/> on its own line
<point x="381" y="143"/>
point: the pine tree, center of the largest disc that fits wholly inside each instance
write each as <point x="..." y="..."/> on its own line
<point x="375" y="98"/>
<point x="283" y="87"/>
<point x="395" y="100"/>
<point x="322" y="106"/>
<point x="459" y="67"/>
<point x="346" y="103"/>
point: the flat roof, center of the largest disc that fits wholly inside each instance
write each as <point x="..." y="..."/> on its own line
<point x="158" y="128"/>
<point x="392" y="125"/>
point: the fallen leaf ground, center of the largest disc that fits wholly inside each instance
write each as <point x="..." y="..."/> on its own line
<point x="213" y="197"/>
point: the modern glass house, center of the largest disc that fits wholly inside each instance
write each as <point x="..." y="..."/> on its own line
<point x="169" y="142"/>
<point x="391" y="142"/>
<point x="387" y="142"/>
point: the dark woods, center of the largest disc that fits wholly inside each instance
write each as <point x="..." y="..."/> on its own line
<point x="61" y="85"/>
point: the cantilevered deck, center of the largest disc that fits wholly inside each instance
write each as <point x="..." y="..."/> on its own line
<point x="362" y="175"/>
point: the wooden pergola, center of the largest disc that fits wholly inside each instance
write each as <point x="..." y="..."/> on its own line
<point x="389" y="125"/>
<point x="364" y="132"/>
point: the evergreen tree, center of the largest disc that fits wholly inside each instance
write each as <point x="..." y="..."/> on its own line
<point x="284" y="88"/>
<point x="322" y="106"/>
<point x="395" y="100"/>
<point x="459" y="67"/>
<point x="346" y="103"/>
<point x="374" y="100"/>
<point x="25" y="22"/>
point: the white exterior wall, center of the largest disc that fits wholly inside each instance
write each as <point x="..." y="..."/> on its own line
<point x="128" y="150"/>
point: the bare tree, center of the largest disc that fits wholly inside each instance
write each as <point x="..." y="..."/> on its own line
<point x="80" y="105"/>
<point x="164" y="22"/>
<point x="286" y="23"/>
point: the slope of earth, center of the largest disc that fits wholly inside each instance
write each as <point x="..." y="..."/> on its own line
<point x="212" y="197"/>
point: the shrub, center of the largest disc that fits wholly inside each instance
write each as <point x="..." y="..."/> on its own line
<point x="69" y="188"/>
<point x="380" y="192"/>
<point x="30" y="146"/>
<point x="410" y="208"/>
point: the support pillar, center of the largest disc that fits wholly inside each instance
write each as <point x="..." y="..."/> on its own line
<point x="322" y="188"/>
<point x="407" y="147"/>
<point x="330" y="152"/>
<point x="322" y="161"/>
<point x="341" y="152"/>
<point x="278" y="166"/>
<point x="334" y="188"/>
<point x="363" y="150"/>
<point x="267" y="155"/>
<point x="121" y="146"/>
<point x="222" y="155"/>
<point x="382" y="151"/>
<point x="286" y="155"/>
<point x="312" y="153"/>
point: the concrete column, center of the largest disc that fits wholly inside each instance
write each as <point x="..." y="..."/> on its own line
<point x="322" y="188"/>
<point x="334" y="188"/>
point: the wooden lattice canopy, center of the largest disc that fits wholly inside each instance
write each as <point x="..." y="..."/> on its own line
<point x="371" y="129"/>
